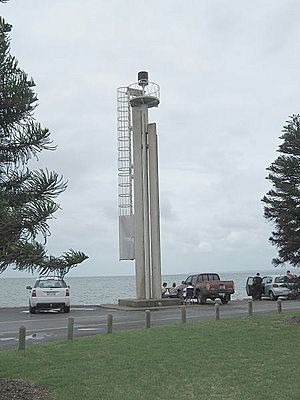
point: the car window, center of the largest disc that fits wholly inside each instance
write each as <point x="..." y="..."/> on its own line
<point x="189" y="280"/>
<point x="50" y="284"/>
<point x="194" y="280"/>
<point x="264" y="279"/>
<point x="205" y="277"/>
<point x="213" y="277"/>
<point x="279" y="279"/>
<point x="269" y="279"/>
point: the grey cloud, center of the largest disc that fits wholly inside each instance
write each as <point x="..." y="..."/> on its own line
<point x="229" y="76"/>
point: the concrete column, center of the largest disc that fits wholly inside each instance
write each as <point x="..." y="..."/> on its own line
<point x="144" y="115"/>
<point x="154" y="212"/>
<point x="138" y="204"/>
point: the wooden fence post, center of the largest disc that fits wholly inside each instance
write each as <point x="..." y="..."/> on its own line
<point x="217" y="308"/>
<point x="109" y="323"/>
<point x="279" y="305"/>
<point x="148" y="321"/>
<point x="70" y="328"/>
<point x="22" y="338"/>
<point x="250" y="308"/>
<point x="183" y="314"/>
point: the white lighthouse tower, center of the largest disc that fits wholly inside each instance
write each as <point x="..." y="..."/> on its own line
<point x="139" y="217"/>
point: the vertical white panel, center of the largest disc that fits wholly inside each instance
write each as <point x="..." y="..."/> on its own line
<point x="126" y="237"/>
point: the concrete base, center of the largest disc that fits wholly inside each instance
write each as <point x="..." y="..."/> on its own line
<point x="143" y="303"/>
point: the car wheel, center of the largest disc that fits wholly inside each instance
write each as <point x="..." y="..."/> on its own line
<point x="272" y="296"/>
<point x="66" y="309"/>
<point x="32" y="310"/>
<point x="225" y="299"/>
<point x="200" y="298"/>
<point x="292" y="296"/>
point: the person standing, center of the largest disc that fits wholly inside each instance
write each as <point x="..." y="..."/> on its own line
<point x="290" y="277"/>
<point x="291" y="283"/>
<point x="257" y="287"/>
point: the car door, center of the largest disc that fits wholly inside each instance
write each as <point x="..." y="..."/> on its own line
<point x="194" y="280"/>
<point x="249" y="286"/>
<point x="265" y="285"/>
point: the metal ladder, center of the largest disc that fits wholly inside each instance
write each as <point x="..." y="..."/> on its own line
<point x="125" y="167"/>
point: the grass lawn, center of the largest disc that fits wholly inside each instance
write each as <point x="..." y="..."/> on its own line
<point x="232" y="359"/>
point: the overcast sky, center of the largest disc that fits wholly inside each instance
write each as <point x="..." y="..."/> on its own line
<point x="229" y="78"/>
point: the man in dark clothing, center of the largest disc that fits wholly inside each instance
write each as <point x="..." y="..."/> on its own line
<point x="257" y="287"/>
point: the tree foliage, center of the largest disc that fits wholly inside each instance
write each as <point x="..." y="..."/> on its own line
<point x="282" y="202"/>
<point x="27" y="197"/>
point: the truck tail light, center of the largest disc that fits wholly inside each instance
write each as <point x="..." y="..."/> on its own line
<point x="67" y="292"/>
<point x="275" y="285"/>
<point x="33" y="294"/>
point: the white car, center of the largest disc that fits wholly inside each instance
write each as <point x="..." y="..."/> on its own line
<point x="49" y="292"/>
<point x="273" y="286"/>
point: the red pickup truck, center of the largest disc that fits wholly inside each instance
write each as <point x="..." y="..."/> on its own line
<point x="208" y="286"/>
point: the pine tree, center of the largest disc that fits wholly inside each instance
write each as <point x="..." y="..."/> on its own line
<point x="282" y="203"/>
<point x="27" y="197"/>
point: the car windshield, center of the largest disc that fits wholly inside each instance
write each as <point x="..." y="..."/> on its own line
<point x="50" y="283"/>
<point x="279" y="279"/>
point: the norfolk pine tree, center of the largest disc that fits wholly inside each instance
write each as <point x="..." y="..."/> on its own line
<point x="282" y="203"/>
<point x="27" y="197"/>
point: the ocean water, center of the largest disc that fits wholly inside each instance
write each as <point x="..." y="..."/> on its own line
<point x="106" y="289"/>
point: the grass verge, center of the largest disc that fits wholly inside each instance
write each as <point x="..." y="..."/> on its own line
<point x="232" y="359"/>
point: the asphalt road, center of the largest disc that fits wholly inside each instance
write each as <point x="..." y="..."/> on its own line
<point x="90" y="320"/>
